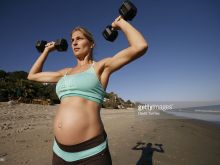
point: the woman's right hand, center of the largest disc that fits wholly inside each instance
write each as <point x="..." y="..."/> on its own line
<point x="49" y="47"/>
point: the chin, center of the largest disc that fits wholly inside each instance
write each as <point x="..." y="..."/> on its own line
<point x="78" y="55"/>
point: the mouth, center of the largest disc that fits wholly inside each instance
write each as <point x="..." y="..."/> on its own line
<point x="76" y="49"/>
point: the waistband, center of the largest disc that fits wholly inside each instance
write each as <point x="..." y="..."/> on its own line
<point x="82" y="150"/>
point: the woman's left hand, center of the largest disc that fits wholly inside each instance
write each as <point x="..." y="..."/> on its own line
<point x="118" y="22"/>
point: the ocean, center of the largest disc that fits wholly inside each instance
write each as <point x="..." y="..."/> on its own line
<point x="207" y="113"/>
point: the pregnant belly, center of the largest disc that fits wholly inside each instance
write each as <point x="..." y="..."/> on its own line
<point x="73" y="126"/>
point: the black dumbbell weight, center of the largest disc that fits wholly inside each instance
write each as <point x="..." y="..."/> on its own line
<point x="128" y="11"/>
<point x="110" y="34"/>
<point x="60" y="45"/>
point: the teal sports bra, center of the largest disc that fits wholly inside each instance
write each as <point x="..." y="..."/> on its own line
<point x="84" y="84"/>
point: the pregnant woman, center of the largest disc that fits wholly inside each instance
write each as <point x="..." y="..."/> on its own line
<point x="79" y="134"/>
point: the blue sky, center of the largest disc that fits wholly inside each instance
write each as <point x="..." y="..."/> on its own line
<point x="182" y="62"/>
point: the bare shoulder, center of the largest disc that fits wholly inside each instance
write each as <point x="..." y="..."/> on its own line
<point x="64" y="71"/>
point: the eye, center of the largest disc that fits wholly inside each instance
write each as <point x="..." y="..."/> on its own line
<point x="80" y="38"/>
<point x="77" y="39"/>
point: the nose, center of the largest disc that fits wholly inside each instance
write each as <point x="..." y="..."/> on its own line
<point x="74" y="43"/>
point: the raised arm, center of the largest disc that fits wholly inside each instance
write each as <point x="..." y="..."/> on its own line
<point x="137" y="46"/>
<point x="36" y="73"/>
<point x="139" y="146"/>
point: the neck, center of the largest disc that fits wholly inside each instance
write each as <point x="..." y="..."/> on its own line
<point x="86" y="61"/>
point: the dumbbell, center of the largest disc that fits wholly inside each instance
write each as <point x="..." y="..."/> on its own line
<point x="60" y="45"/>
<point x="128" y="11"/>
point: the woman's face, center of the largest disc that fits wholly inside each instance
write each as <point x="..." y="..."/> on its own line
<point x="80" y="44"/>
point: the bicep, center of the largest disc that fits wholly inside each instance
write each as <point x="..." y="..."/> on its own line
<point x="49" y="77"/>
<point x="121" y="59"/>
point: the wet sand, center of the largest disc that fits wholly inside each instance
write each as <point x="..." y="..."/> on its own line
<point x="26" y="137"/>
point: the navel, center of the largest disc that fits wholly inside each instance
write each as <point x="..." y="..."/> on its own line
<point x="59" y="125"/>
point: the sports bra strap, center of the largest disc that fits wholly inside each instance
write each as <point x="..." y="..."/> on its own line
<point x="93" y="62"/>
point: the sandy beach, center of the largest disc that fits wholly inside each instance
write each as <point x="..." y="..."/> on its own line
<point x="26" y="137"/>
